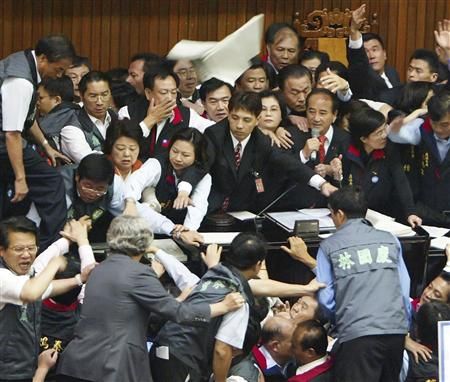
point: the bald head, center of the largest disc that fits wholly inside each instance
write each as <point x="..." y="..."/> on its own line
<point x="276" y="327"/>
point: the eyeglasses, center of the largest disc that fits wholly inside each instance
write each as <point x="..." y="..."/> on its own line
<point x="94" y="97"/>
<point x="93" y="191"/>
<point x="31" y="249"/>
<point x="185" y="72"/>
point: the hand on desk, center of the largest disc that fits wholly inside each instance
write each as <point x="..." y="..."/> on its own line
<point x="298" y="251"/>
<point x="414" y="221"/>
<point x="191" y="238"/>
<point x="212" y="256"/>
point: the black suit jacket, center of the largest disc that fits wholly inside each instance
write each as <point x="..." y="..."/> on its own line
<point x="260" y="159"/>
<point x="364" y="81"/>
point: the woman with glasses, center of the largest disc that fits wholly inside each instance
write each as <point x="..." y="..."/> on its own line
<point x="373" y="163"/>
<point x="187" y="154"/>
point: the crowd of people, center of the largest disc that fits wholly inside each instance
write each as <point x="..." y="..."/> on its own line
<point x="90" y="157"/>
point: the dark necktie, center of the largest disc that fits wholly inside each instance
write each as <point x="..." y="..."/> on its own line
<point x="322" y="140"/>
<point x="237" y="161"/>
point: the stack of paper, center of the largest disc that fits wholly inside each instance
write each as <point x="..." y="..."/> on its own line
<point x="226" y="59"/>
<point x="440" y="242"/>
<point x="387" y="223"/>
<point x="218" y="237"/>
<point x="286" y="220"/>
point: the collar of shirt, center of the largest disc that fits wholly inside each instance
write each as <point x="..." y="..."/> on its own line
<point x="35" y="61"/>
<point x="309" y="366"/>
<point x="329" y="136"/>
<point x="443" y="146"/>
<point x="243" y="143"/>
<point x="269" y="61"/>
<point x="270" y="362"/>
<point x="386" y="80"/>
<point x="101" y="126"/>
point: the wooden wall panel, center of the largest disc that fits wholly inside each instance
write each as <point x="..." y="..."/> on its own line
<point x="110" y="31"/>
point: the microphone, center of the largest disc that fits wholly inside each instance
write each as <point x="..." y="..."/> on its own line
<point x="315" y="133"/>
<point x="258" y="218"/>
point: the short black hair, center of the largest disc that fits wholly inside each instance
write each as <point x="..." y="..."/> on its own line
<point x="246" y="250"/>
<point x="158" y="72"/>
<point x="273" y="29"/>
<point x="349" y="199"/>
<point x="293" y="71"/>
<point x="439" y="105"/>
<point x="323" y="57"/>
<point x="430" y="57"/>
<point x="121" y="128"/>
<point x="93" y="76"/>
<point x="326" y="93"/>
<point x="413" y="95"/>
<point x="96" y="167"/>
<point x="373" y="36"/>
<point x="16" y="224"/>
<point x="197" y="139"/>
<point x="280" y="99"/>
<point x="446" y="277"/>
<point x="61" y="86"/>
<point x="123" y="93"/>
<point x="363" y="122"/>
<point x="55" y="48"/>
<point x="118" y="74"/>
<point x="150" y="59"/>
<point x="335" y="66"/>
<point x="256" y="63"/>
<point x="314" y="336"/>
<point x="428" y="316"/>
<point x="79" y="61"/>
<point x="212" y="85"/>
<point x="248" y="101"/>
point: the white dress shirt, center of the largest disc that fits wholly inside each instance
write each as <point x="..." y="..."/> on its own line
<point x="329" y="136"/>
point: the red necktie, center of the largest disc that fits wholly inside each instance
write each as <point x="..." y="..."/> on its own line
<point x="153" y="140"/>
<point x="322" y="140"/>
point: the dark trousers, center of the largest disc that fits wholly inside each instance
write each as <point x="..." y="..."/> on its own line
<point x="370" y="359"/>
<point x="172" y="369"/>
<point x="46" y="190"/>
<point x="65" y="378"/>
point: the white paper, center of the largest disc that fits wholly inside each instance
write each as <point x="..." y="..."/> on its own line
<point x="287" y="220"/>
<point x="170" y="247"/>
<point x="242" y="215"/>
<point x="162" y="352"/>
<point x="440" y="242"/>
<point x="227" y="59"/>
<point x="316" y="212"/>
<point x="218" y="237"/>
<point x="387" y="223"/>
<point x="435" y="231"/>
<point x="444" y="353"/>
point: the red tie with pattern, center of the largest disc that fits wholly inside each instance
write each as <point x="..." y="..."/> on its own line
<point x="237" y="161"/>
<point x="322" y="140"/>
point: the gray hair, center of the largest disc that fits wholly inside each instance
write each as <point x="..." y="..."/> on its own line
<point x="129" y="235"/>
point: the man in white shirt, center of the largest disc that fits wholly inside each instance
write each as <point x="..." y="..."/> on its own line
<point x="22" y="170"/>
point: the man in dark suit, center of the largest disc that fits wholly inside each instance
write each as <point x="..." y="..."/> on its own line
<point x="244" y="166"/>
<point x="366" y="54"/>
<point x="109" y="341"/>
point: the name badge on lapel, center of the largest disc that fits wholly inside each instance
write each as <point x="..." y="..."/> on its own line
<point x="258" y="182"/>
<point x="165" y="143"/>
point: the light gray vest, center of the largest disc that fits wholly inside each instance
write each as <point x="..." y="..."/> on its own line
<point x="19" y="339"/>
<point x="367" y="289"/>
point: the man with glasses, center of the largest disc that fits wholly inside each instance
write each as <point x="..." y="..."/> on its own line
<point x="95" y="117"/>
<point x="24" y="282"/>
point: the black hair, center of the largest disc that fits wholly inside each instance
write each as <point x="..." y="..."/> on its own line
<point x="121" y="128"/>
<point x="335" y="66"/>
<point x="413" y="95"/>
<point x="55" y="48"/>
<point x="428" y="316"/>
<point x="323" y="57"/>
<point x="292" y="71"/>
<point x="349" y="199"/>
<point x="246" y="250"/>
<point x="327" y="93"/>
<point x="118" y="74"/>
<point x="364" y="122"/>
<point x="122" y="93"/>
<point x="16" y="224"/>
<point x="155" y="72"/>
<point x="197" y="139"/>
<point x="446" y="277"/>
<point x="93" y="76"/>
<point x="248" y="101"/>
<point x="212" y="85"/>
<point x="257" y="63"/>
<point x="430" y="57"/>
<point x="439" y="105"/>
<point x="79" y="61"/>
<point x="150" y="59"/>
<point x="61" y="86"/>
<point x="321" y="314"/>
<point x="96" y="167"/>
<point x="280" y="99"/>
<point x="273" y="29"/>
<point x="314" y="336"/>
<point x="373" y="36"/>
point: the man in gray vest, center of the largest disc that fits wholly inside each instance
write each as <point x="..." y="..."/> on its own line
<point x="367" y="292"/>
<point x="22" y="171"/>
